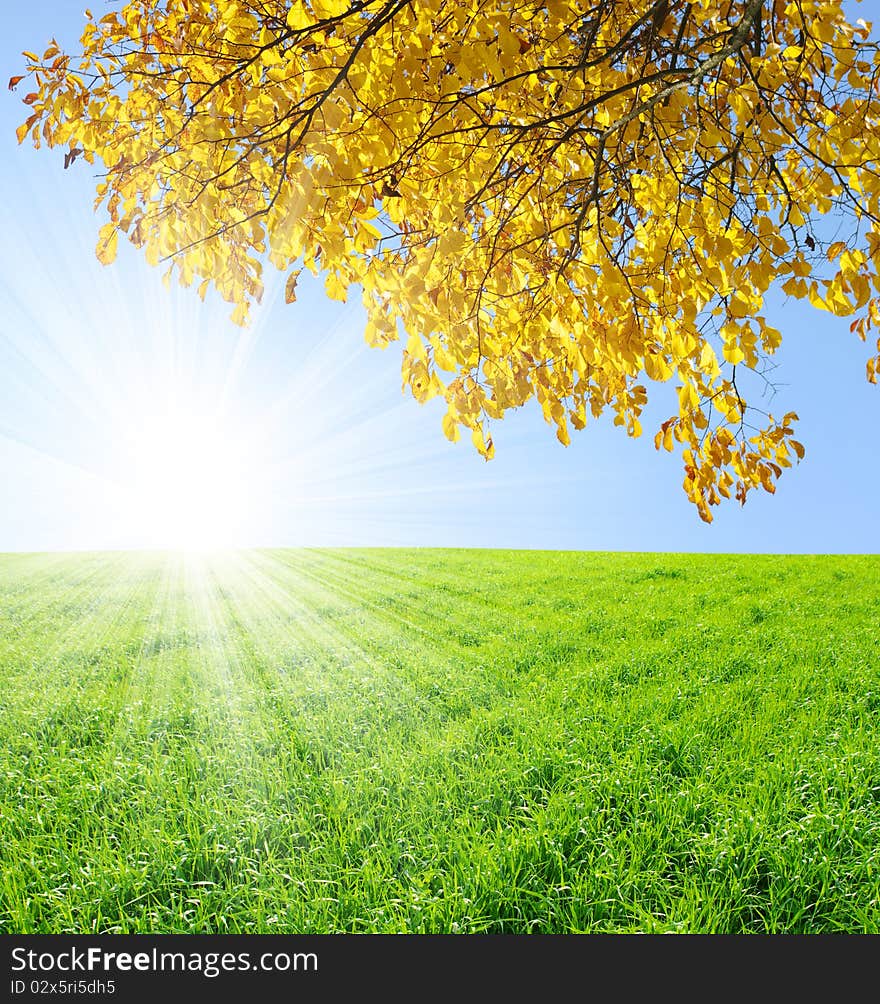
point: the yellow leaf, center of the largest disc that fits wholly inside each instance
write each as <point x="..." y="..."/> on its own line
<point x="336" y="288"/>
<point x="484" y="445"/>
<point x="298" y="17"/>
<point x="416" y="347"/>
<point x="450" y="428"/>
<point x="108" y="239"/>
<point x="329" y="8"/>
<point x="733" y="353"/>
<point x="708" y="359"/>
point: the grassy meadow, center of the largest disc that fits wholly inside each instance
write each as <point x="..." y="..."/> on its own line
<point x="439" y="741"/>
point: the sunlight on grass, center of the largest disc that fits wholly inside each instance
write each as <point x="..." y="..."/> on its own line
<point x="438" y="741"/>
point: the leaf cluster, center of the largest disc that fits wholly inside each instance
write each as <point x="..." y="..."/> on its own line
<point x="563" y="202"/>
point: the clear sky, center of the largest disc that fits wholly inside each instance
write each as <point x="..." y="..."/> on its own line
<point x="110" y="385"/>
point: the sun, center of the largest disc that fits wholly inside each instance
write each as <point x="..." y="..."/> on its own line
<point x="187" y="480"/>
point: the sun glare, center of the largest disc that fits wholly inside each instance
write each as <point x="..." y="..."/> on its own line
<point x="187" y="482"/>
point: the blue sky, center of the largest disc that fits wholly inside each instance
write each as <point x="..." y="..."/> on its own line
<point x="321" y="444"/>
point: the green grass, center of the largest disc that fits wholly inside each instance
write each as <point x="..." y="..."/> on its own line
<point x="439" y="741"/>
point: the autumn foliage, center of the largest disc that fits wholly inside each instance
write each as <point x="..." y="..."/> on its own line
<point x="559" y="201"/>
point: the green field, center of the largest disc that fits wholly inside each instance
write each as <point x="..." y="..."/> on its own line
<point x="439" y="741"/>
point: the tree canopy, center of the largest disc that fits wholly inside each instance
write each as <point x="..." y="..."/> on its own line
<point x="560" y="201"/>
